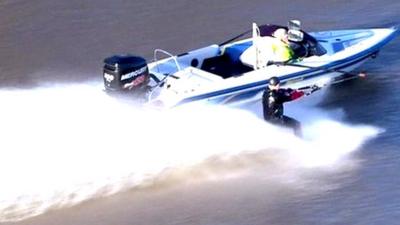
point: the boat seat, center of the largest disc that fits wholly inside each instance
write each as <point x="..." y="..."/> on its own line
<point x="265" y="53"/>
<point x="235" y="51"/>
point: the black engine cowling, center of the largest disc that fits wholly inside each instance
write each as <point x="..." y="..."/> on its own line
<point x="125" y="73"/>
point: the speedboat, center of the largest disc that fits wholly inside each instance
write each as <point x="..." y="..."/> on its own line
<point x="237" y="71"/>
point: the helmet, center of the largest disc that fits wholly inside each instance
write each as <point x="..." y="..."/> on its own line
<point x="273" y="81"/>
<point x="280" y="33"/>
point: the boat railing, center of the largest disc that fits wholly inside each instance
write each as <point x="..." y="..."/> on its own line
<point x="165" y="73"/>
<point x="168" y="54"/>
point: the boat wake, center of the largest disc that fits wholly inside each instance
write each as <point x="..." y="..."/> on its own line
<point x="64" y="145"/>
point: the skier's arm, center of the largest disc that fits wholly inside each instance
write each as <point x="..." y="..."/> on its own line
<point x="295" y="94"/>
<point x="291" y="94"/>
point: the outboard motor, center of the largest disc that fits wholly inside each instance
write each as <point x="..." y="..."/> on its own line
<point x="125" y="73"/>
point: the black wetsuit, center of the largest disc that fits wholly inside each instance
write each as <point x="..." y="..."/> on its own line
<point x="273" y="107"/>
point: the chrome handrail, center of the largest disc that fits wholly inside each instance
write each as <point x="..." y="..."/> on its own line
<point x="167" y="53"/>
<point x="166" y="75"/>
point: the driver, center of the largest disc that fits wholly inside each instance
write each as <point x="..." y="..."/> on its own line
<point x="281" y="46"/>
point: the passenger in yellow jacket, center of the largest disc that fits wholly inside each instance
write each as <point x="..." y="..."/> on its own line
<point x="280" y="46"/>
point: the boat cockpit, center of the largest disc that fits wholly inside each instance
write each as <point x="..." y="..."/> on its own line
<point x="237" y="58"/>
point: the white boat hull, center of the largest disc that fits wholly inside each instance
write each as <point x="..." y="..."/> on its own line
<point x="214" y="73"/>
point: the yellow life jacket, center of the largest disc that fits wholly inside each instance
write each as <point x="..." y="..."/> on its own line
<point x="282" y="51"/>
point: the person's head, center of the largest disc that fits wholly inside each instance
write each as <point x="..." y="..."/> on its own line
<point x="281" y="34"/>
<point x="274" y="83"/>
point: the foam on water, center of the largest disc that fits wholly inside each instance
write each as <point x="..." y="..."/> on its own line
<point x="63" y="145"/>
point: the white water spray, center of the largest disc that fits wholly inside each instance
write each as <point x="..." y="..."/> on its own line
<point x="64" y="145"/>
